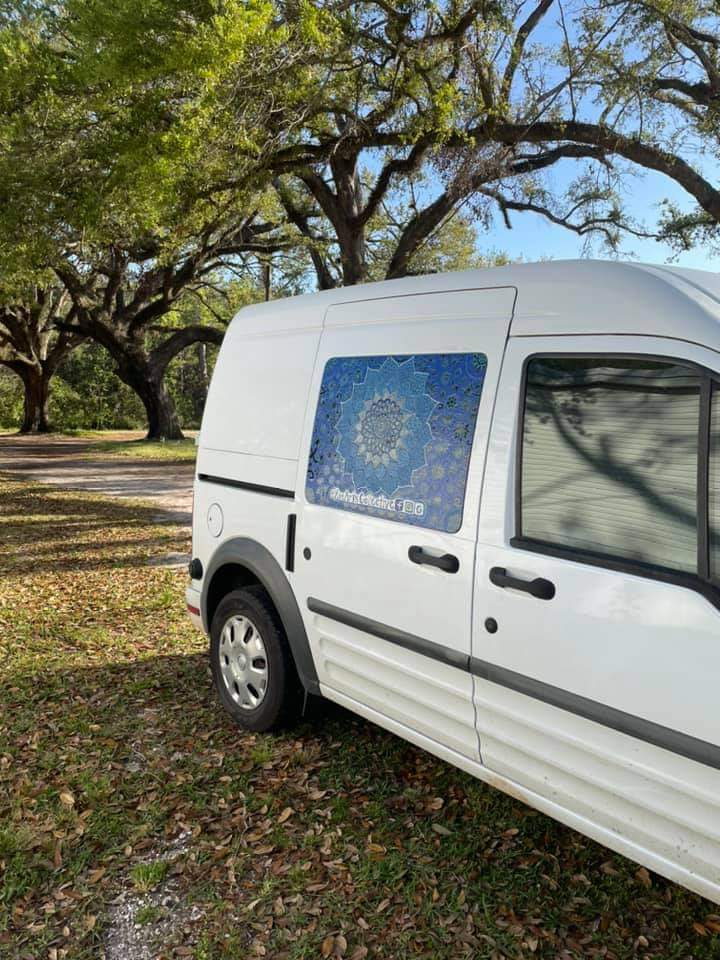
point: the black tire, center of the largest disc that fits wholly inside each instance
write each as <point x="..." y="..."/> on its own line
<point x="282" y="702"/>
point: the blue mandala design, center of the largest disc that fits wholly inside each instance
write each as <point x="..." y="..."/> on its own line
<point x="393" y="434"/>
<point x="383" y="428"/>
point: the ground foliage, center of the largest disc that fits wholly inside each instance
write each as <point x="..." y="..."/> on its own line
<point x="112" y="448"/>
<point x="119" y="772"/>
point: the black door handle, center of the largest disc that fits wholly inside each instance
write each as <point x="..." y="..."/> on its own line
<point x="539" y="587"/>
<point x="446" y="562"/>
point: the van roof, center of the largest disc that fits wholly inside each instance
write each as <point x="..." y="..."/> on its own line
<point x="553" y="297"/>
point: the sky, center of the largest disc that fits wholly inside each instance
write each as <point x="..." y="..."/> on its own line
<point x="534" y="238"/>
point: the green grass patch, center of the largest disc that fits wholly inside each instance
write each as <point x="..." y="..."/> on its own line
<point x="147" y="876"/>
<point x="149" y="914"/>
<point x="175" y="450"/>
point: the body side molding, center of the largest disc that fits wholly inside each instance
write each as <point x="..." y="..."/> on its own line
<point x="407" y="640"/>
<point x="648" y="731"/>
<point x="263" y="565"/>
<point x="628" y="723"/>
<point x="245" y="485"/>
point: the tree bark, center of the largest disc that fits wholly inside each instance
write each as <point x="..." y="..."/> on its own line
<point x="163" y="423"/>
<point x="352" y="253"/>
<point x="204" y="380"/>
<point x="37" y="390"/>
<point x="343" y="210"/>
<point x="146" y="381"/>
<point x="350" y="232"/>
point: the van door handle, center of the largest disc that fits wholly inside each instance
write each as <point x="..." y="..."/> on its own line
<point x="539" y="587"/>
<point x="447" y="562"/>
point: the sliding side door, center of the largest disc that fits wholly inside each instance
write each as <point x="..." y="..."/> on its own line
<point x="394" y="454"/>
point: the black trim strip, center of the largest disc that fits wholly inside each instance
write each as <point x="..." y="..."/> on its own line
<point x="290" y="543"/>
<point x="244" y="485"/>
<point x="654" y="733"/>
<point x="703" y="474"/>
<point x="407" y="640"/>
<point x="674" y="741"/>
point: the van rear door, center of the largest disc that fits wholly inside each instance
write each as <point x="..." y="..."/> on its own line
<point x="391" y="474"/>
<point x="596" y="649"/>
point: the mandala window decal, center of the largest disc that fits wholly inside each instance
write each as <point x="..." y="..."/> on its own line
<point x="393" y="434"/>
<point x="383" y="428"/>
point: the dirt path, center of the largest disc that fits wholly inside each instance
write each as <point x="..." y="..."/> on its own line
<point x="55" y="460"/>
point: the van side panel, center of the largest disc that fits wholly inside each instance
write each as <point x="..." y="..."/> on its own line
<point x="247" y="458"/>
<point x="256" y="402"/>
<point x="373" y="605"/>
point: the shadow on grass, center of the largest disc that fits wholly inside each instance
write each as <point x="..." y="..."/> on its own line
<point x="49" y="531"/>
<point x="142" y="752"/>
<point x="112" y="745"/>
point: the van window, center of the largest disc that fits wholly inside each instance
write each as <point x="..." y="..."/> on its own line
<point x="714" y="485"/>
<point x="393" y="434"/>
<point x="610" y="458"/>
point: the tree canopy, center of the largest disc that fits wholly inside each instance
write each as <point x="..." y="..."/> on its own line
<point x="153" y="149"/>
<point x="116" y="121"/>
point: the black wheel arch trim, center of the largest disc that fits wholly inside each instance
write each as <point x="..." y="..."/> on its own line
<point x="256" y="558"/>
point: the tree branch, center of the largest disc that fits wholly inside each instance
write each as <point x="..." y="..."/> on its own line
<point x="161" y="356"/>
<point x="631" y="148"/>
<point x="518" y="46"/>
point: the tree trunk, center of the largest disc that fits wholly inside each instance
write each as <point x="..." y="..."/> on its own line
<point x="163" y="423"/>
<point x="200" y="396"/>
<point x="350" y="232"/>
<point x="37" y="390"/>
<point x="267" y="277"/>
<point x="352" y="254"/>
<point x="136" y="370"/>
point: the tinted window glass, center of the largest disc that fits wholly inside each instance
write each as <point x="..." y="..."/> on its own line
<point x="714" y="485"/>
<point x="609" y="460"/>
<point x="393" y="434"/>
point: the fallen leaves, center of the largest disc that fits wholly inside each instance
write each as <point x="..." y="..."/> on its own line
<point x="335" y="840"/>
<point x="334" y="945"/>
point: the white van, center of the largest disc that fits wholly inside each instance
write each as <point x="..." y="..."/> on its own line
<point x="482" y="510"/>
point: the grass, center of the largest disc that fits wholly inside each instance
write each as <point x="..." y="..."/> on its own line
<point x="113" y="749"/>
<point x="120" y="445"/>
<point x="148" y="914"/>
<point x="147" y="876"/>
<point x="174" y="450"/>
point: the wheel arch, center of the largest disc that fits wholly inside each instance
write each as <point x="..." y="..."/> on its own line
<point x="241" y="562"/>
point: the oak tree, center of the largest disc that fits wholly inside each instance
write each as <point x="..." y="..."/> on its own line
<point x="32" y="346"/>
<point x="115" y="119"/>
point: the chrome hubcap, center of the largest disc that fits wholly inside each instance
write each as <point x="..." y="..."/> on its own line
<point x="243" y="662"/>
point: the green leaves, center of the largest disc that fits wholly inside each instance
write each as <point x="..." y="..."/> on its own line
<point x="124" y="120"/>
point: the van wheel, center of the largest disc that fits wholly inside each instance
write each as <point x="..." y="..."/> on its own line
<point x="251" y="662"/>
